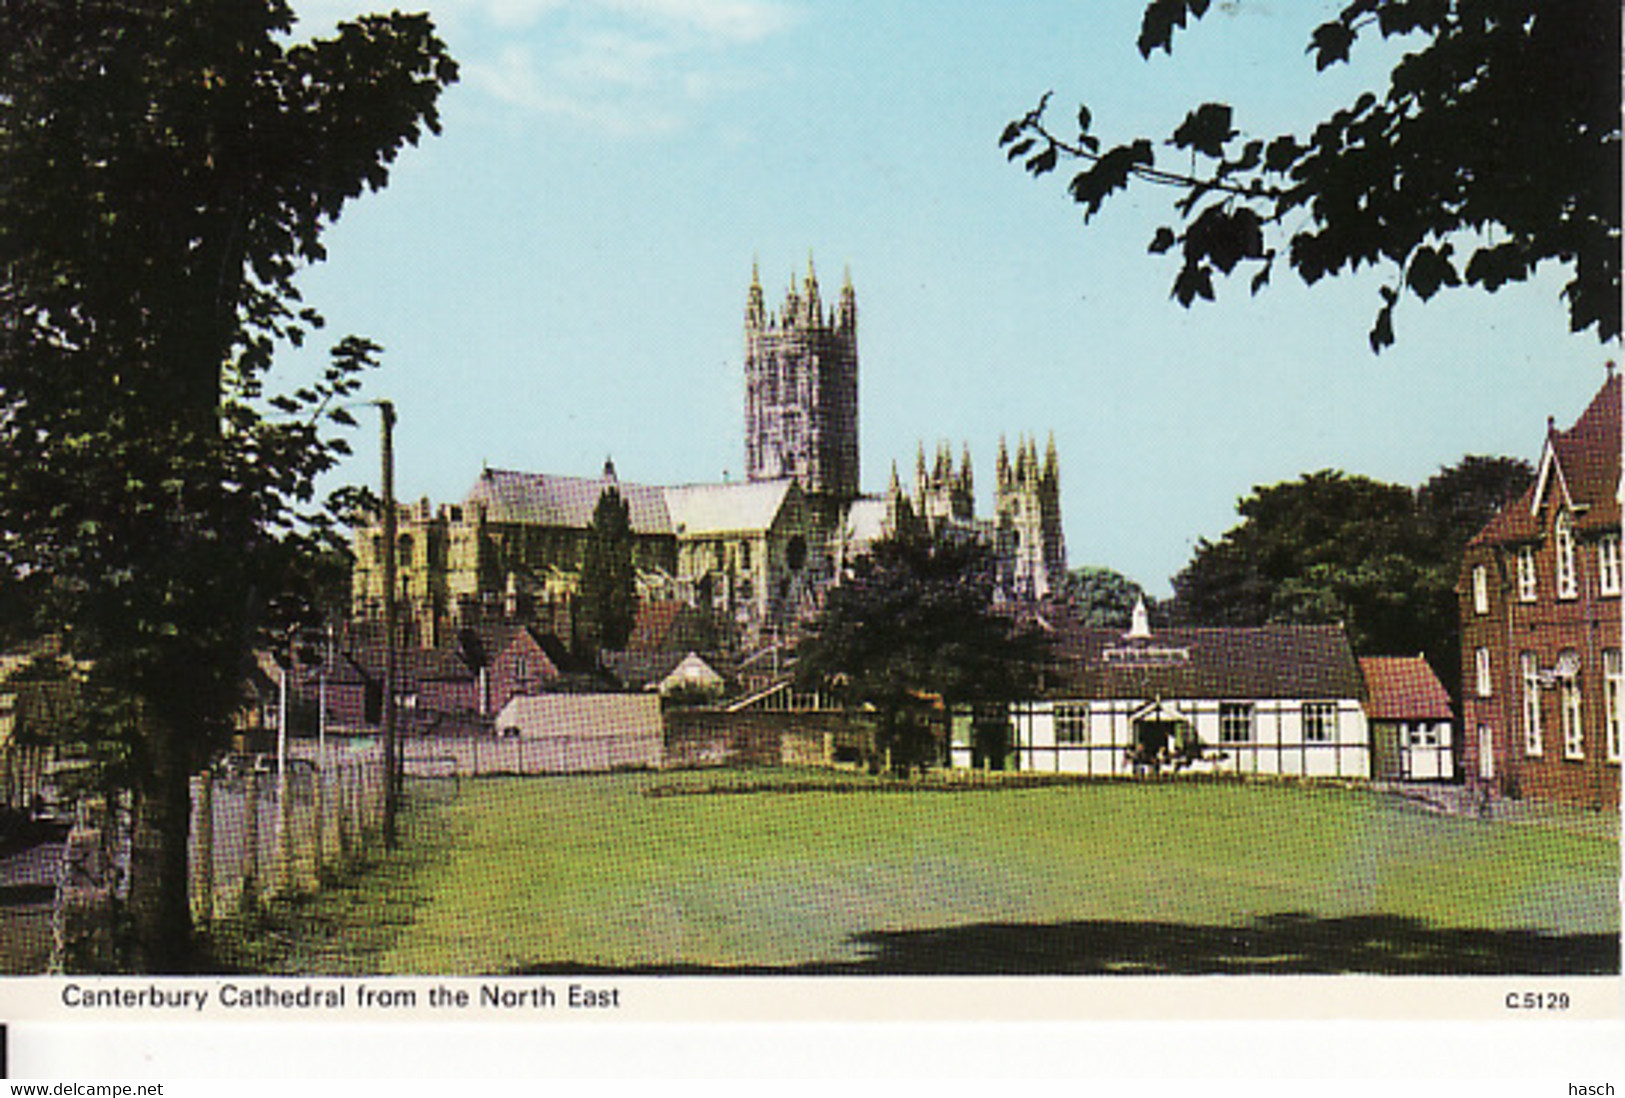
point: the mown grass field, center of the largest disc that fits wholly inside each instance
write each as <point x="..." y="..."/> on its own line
<point x="595" y="873"/>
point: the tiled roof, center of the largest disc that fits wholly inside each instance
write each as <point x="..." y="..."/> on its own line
<point x="542" y="499"/>
<point x="1402" y="688"/>
<point x="1273" y="661"/>
<point x="698" y="510"/>
<point x="1584" y="461"/>
<point x="412" y="665"/>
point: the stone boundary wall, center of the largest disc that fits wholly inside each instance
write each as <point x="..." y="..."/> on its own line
<point x="474" y="756"/>
<point x="715" y="737"/>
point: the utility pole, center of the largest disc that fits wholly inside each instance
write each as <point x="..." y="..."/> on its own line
<point x="391" y="746"/>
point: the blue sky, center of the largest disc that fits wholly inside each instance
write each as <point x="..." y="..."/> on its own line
<point x="561" y="276"/>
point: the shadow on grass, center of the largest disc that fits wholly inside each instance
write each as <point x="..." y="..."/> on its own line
<point x="1291" y="943"/>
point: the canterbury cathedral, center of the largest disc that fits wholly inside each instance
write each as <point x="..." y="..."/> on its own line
<point x="754" y="555"/>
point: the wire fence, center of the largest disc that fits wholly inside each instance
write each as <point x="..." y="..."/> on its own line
<point x="258" y="833"/>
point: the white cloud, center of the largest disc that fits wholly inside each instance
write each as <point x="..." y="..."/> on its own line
<point x="719" y="20"/>
<point x="629" y="67"/>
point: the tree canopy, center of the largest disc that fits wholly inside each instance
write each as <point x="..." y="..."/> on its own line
<point x="1327" y="547"/>
<point x="1102" y="597"/>
<point x="916" y="623"/>
<point x="169" y="167"/>
<point x="1495" y="150"/>
<point x="607" y="599"/>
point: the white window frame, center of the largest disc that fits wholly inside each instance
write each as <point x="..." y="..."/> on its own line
<point x="1071" y="724"/>
<point x="1424" y="734"/>
<point x="1613" y="682"/>
<point x="1486" y="759"/>
<point x="1481" y="589"/>
<point x="1531" y="704"/>
<point x="1320" y="722"/>
<point x="1569" y="707"/>
<point x="1236" y="722"/>
<point x="1483" y="680"/>
<point x="1608" y="566"/>
<point x="1528" y="574"/>
<point x="1568" y="574"/>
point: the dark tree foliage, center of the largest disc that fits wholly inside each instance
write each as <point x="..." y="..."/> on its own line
<point x="1329" y="547"/>
<point x="166" y="167"/>
<point x="607" y="599"/>
<point x="1494" y="150"/>
<point x="915" y="625"/>
<point x="1102" y="597"/>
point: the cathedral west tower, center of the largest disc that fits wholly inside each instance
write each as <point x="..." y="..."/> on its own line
<point x="801" y="389"/>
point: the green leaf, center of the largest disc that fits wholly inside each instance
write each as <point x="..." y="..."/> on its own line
<point x="1330" y="44"/>
<point x="1043" y="162"/>
<point x="1205" y="129"/>
<point x="1162" y="241"/>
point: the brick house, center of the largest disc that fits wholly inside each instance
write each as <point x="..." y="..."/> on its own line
<point x="1540" y="612"/>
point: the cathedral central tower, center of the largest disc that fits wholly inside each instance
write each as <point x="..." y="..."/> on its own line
<point x="801" y="389"/>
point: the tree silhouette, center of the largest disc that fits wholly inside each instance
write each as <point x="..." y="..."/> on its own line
<point x="1494" y="151"/>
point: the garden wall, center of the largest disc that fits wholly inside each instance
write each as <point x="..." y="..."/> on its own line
<point x="715" y="737"/>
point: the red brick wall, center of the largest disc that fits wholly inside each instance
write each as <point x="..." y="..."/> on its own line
<point x="1546" y="627"/>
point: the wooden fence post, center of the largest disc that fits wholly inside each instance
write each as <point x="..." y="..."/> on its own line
<point x="203" y="848"/>
<point x="251" y="837"/>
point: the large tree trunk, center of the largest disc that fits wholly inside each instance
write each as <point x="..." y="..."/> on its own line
<point x="160" y="908"/>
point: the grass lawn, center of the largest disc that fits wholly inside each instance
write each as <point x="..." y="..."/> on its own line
<point x="593" y="873"/>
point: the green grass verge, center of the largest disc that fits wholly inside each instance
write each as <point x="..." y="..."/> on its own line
<point x="593" y="872"/>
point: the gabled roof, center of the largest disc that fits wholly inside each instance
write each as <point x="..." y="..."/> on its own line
<point x="542" y="499"/>
<point x="866" y="520"/>
<point x="365" y="662"/>
<point x="692" y="671"/>
<point x="1403" y="688"/>
<point x="700" y="510"/>
<point x="1580" y="465"/>
<point x="1312" y="662"/>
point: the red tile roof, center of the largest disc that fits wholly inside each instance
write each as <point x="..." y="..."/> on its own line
<point x="1403" y="688"/>
<point x="1585" y="459"/>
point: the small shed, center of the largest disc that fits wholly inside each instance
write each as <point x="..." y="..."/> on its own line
<point x="574" y="733"/>
<point x="1411" y="723"/>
